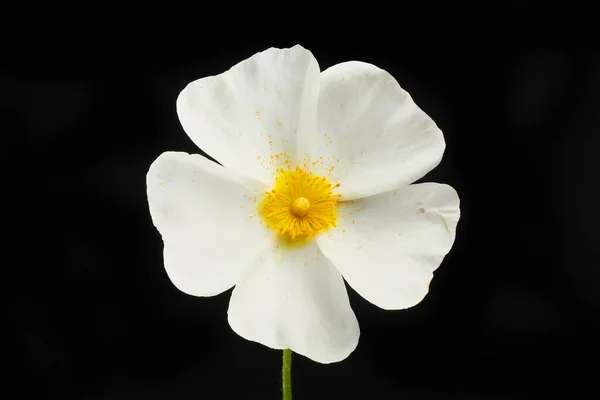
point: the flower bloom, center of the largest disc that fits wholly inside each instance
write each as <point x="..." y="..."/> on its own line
<point x="314" y="185"/>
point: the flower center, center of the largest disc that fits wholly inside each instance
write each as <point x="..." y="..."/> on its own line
<point x="300" y="205"/>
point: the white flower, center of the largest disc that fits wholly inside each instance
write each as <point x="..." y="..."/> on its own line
<point x="314" y="186"/>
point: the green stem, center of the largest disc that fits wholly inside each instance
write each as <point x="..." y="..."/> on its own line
<point x="287" y="374"/>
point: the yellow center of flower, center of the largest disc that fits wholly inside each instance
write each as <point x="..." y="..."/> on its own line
<point x="300" y="205"/>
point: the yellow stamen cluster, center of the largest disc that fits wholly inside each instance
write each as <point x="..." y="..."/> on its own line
<point x="300" y="205"/>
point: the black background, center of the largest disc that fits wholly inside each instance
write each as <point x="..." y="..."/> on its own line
<point x="512" y="312"/>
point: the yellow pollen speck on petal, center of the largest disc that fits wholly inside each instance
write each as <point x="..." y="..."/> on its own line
<point x="257" y="112"/>
<point x="161" y="183"/>
<point x="299" y="205"/>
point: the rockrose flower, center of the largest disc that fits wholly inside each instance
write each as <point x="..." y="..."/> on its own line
<point x="314" y="187"/>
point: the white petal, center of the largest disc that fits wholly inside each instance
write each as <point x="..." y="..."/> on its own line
<point x="387" y="246"/>
<point x="207" y="220"/>
<point x="371" y="131"/>
<point x="256" y="109"/>
<point x="295" y="298"/>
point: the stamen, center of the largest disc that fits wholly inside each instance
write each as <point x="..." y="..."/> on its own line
<point x="300" y="205"/>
